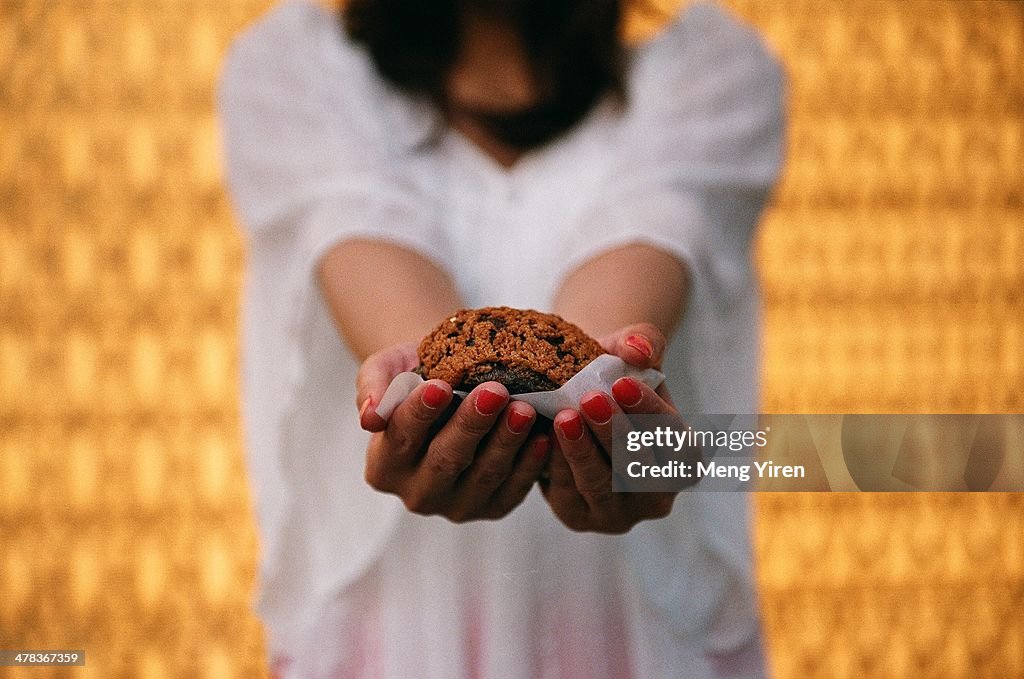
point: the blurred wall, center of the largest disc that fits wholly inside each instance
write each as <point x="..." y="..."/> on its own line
<point x="893" y="269"/>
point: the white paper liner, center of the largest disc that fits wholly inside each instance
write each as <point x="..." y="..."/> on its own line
<point x="599" y="375"/>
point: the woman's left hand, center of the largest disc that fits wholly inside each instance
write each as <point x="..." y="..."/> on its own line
<point x="579" y="483"/>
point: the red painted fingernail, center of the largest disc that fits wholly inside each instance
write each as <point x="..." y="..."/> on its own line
<point x="598" y="408"/>
<point x="627" y="392"/>
<point x="434" y="396"/>
<point x="362" y="409"/>
<point x="518" y="422"/>
<point x="541" y="448"/>
<point x="489" y="402"/>
<point x="641" y="344"/>
<point x="572" y="428"/>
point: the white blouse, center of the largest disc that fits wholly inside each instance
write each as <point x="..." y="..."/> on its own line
<point x="320" y="149"/>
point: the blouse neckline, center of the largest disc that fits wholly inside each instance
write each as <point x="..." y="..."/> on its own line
<point x="411" y="121"/>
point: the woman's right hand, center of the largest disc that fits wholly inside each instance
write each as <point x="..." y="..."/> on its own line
<point x="479" y="463"/>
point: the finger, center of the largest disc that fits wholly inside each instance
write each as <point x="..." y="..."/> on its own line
<point x="641" y="345"/>
<point x="559" y="474"/>
<point x="377" y="371"/>
<point x="559" y="490"/>
<point x="373" y="378"/>
<point x="636" y="398"/>
<point x="527" y="470"/>
<point x="369" y="420"/>
<point x="495" y="459"/>
<point x="454" y="447"/>
<point x="590" y="471"/>
<point x="598" y="409"/>
<point x="407" y="431"/>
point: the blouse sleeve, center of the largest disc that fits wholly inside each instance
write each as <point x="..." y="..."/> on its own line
<point x="313" y="152"/>
<point x="306" y="154"/>
<point x="700" y="146"/>
<point x="700" y="151"/>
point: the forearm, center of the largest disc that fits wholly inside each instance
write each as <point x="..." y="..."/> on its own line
<point x="627" y="285"/>
<point x="381" y="294"/>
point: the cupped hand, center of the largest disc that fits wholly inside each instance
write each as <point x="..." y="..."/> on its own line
<point x="464" y="461"/>
<point x="578" y="486"/>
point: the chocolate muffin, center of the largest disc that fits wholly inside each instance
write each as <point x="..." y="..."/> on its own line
<point x="523" y="349"/>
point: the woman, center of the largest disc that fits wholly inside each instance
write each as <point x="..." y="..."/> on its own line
<point x="413" y="158"/>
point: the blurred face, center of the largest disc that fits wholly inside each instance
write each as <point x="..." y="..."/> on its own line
<point x="510" y="76"/>
<point x="492" y="76"/>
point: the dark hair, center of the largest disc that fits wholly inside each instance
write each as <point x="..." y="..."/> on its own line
<point x="574" y="47"/>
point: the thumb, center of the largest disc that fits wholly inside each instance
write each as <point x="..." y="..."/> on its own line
<point x="375" y="374"/>
<point x="641" y="345"/>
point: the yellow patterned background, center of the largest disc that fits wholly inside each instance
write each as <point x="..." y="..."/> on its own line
<point x="893" y="267"/>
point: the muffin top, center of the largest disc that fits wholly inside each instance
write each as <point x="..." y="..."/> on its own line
<point x="525" y="350"/>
